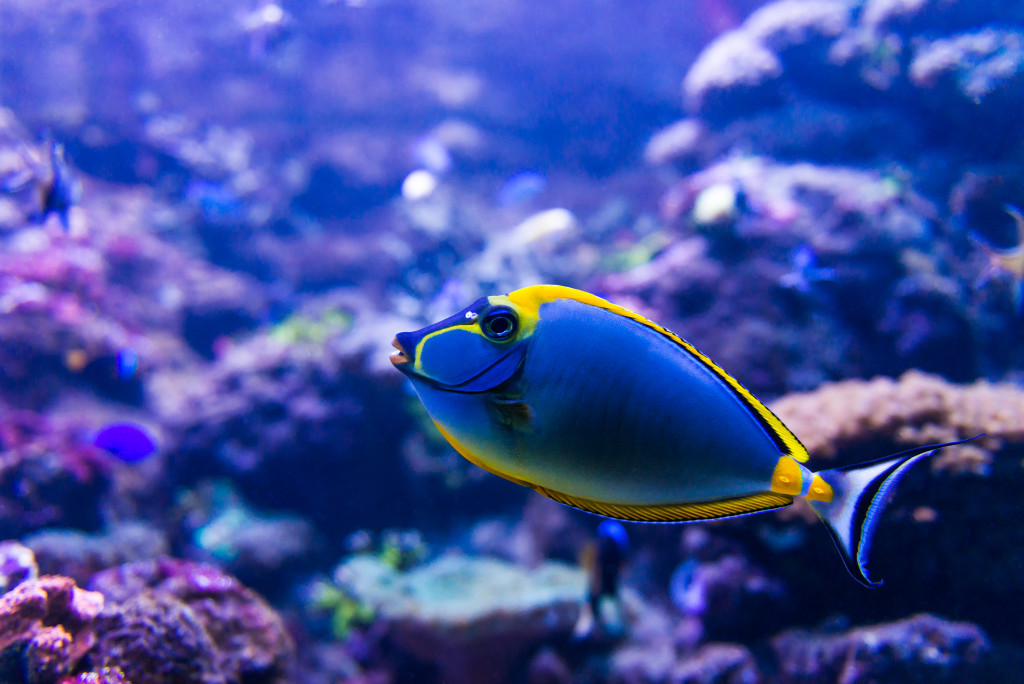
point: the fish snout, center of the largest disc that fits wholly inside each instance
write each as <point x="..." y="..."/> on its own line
<point x="400" y="357"/>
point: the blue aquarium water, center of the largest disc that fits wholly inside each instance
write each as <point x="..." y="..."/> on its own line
<point x="274" y="365"/>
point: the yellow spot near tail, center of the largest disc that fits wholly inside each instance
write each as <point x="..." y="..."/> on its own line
<point x="820" y="490"/>
<point x="787" y="478"/>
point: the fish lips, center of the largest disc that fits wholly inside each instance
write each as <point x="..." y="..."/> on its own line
<point x="401" y="359"/>
<point x="503" y="369"/>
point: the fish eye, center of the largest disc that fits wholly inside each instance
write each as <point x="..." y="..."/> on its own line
<point x="499" y="324"/>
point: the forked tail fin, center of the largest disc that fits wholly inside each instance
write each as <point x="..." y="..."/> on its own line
<point x="860" y="494"/>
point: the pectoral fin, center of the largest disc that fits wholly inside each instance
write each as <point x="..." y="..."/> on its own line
<point x="513" y="413"/>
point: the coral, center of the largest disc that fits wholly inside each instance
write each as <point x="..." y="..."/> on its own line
<point x="105" y="675"/>
<point x="805" y="62"/>
<point x="80" y="555"/>
<point x="282" y="418"/>
<point x="156" y="639"/>
<point x="923" y="649"/>
<point x="248" y="638"/>
<point x="467" y="616"/>
<point x="916" y="409"/>
<point x="734" y="74"/>
<point x="720" y="592"/>
<point x="257" y="547"/>
<point x="17" y="564"/>
<point x="50" y="623"/>
<point x="48" y="475"/>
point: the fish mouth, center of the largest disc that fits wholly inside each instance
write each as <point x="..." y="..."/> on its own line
<point x="398" y="358"/>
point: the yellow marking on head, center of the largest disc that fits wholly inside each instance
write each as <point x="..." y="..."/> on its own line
<point x="820" y="490"/>
<point x="418" y="355"/>
<point x="530" y="299"/>
<point x="526" y="311"/>
<point x="787" y="478"/>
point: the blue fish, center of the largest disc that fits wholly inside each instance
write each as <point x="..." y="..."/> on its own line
<point x="127" y="362"/>
<point x="61" y="191"/>
<point x="127" y="441"/>
<point x="805" y="270"/>
<point x="521" y="187"/>
<point x="603" y="560"/>
<point x="600" y="409"/>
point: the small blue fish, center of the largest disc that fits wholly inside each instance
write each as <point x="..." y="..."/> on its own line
<point x="217" y="203"/>
<point x="603" y="560"/>
<point x="805" y="270"/>
<point x="127" y="363"/>
<point x="127" y="441"/>
<point x="61" y="191"/>
<point x="521" y="187"/>
<point x="598" y="408"/>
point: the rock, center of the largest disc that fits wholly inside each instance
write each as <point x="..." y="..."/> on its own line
<point x="473" y="618"/>
<point x="46" y="626"/>
<point x="733" y="76"/>
<point x="925" y="649"/>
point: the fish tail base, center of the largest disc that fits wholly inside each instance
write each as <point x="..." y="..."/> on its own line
<point x="859" y="495"/>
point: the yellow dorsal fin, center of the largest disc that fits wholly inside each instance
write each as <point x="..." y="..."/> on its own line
<point x="665" y="513"/>
<point x="531" y="298"/>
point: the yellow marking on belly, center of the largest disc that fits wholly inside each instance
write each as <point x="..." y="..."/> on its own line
<point x="820" y="490"/>
<point x="472" y="458"/>
<point x="707" y="510"/>
<point x="787" y="478"/>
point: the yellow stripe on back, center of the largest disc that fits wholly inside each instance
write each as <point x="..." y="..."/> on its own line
<point x="666" y="513"/>
<point x="530" y="299"/>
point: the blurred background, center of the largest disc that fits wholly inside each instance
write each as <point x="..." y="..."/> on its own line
<point x="214" y="217"/>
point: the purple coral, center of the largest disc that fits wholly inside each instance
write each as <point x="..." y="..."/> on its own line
<point x="46" y="626"/>
<point x="243" y="638"/>
<point x="156" y="639"/>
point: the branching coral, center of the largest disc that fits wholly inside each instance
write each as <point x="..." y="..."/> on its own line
<point x="914" y="410"/>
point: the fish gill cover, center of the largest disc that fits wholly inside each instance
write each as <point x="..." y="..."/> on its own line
<point x="215" y="217"/>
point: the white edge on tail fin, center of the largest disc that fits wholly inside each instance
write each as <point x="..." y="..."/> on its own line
<point x="861" y="493"/>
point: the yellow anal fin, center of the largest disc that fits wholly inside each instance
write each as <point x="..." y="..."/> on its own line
<point x="664" y="513"/>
